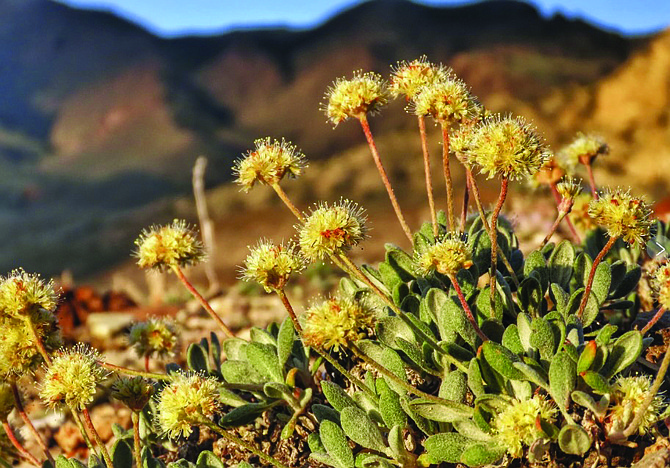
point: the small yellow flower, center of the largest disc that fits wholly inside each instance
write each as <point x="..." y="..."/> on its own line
<point x="569" y="188"/>
<point x="272" y="265"/>
<point x="133" y="392"/>
<point x="448" y="101"/>
<point x="72" y="378"/>
<point x="623" y="215"/>
<point x="579" y="215"/>
<point x="447" y="256"/>
<point x="336" y="322"/>
<point x="627" y="398"/>
<point x="19" y="353"/>
<point x="188" y="401"/>
<point x="364" y="93"/>
<point x="22" y="293"/>
<point x="155" y="337"/>
<point x="407" y="78"/>
<point x="269" y="163"/>
<point x="329" y="230"/>
<point x="515" y="426"/>
<point x="507" y="147"/>
<point x="168" y="246"/>
<point x="583" y="149"/>
<point x="662" y="285"/>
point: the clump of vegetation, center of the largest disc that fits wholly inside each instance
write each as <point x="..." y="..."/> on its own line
<point x="461" y="349"/>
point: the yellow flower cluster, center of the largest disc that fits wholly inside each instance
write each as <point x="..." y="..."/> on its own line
<point x="447" y="256"/>
<point x="21" y="293"/>
<point x="408" y="78"/>
<point x="272" y="265"/>
<point x="154" y="337"/>
<point x="583" y="149"/>
<point x="627" y="398"/>
<point x="662" y="285"/>
<point x="623" y="215"/>
<point x="364" y="93"/>
<point x="268" y="163"/>
<point x="336" y="322"/>
<point x="168" y="246"/>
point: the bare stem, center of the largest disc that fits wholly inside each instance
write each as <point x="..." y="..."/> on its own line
<point x="38" y="340"/>
<point x="202" y="300"/>
<point x="128" y="371"/>
<point x="657" y="316"/>
<point x="466" y="201"/>
<point x="235" y="440"/>
<point x="382" y="172"/>
<point x="592" y="274"/>
<point x="18" y="404"/>
<point x="287" y="201"/>
<point x="592" y="180"/>
<point x="289" y="309"/>
<point x="82" y="430"/>
<point x="147" y="363"/>
<point x="559" y="218"/>
<point x="17" y="445"/>
<point x="426" y="170"/>
<point x="137" y="449"/>
<point x="658" y="381"/>
<point x="447" y="177"/>
<point x="493" y="233"/>
<point x="466" y="308"/>
<point x="96" y="436"/>
<point x="206" y="224"/>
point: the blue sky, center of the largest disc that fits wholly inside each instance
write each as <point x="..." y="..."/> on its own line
<point x="178" y="17"/>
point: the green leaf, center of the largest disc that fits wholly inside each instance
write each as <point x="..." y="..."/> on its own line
<point x="471" y="430"/>
<point x="415" y="354"/>
<point x="531" y="296"/>
<point x="574" y="440"/>
<point x="542" y="337"/>
<point x="184" y="464"/>
<point x="258" y="335"/>
<point x="426" y="426"/>
<point x="121" y="454"/>
<point x="389" y="406"/>
<point x="239" y="372"/>
<point x="590" y="311"/>
<point x="400" y="261"/>
<point x="62" y="462"/>
<point x="434" y="300"/>
<point x="536" y="266"/>
<point x="243" y="414"/>
<point x="597" y="382"/>
<point x="263" y="358"/>
<point x="562" y="378"/>
<point x="335" y="443"/>
<point x="625" y="351"/>
<point x="501" y="359"/>
<point x="561" y="264"/>
<point x="560" y="298"/>
<point x="314" y="443"/>
<point x="482" y="453"/>
<point x="285" y="340"/>
<point x="454" y="386"/>
<point x="585" y="400"/>
<point x="393" y="362"/>
<point x="441" y="412"/>
<point x="207" y="459"/>
<point x="197" y="358"/>
<point x="587" y="357"/>
<point x="323" y="413"/>
<point x="629" y="282"/>
<point x="336" y="396"/>
<point x="392" y="327"/>
<point x="475" y="380"/>
<point x="446" y="446"/>
<point x="523" y="326"/>
<point x="511" y="340"/>
<point x="601" y="282"/>
<point x="361" y="429"/>
<point x="605" y="333"/>
<point x="235" y="349"/>
<point x="396" y="444"/>
<point x="389" y="276"/>
<point x="532" y="374"/>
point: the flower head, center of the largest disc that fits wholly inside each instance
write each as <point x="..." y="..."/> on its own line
<point x="72" y="378"/>
<point x="168" y="246"/>
<point x="271" y="265"/>
<point x="268" y="163"/>
<point x="19" y="353"/>
<point x="447" y="256"/>
<point x="448" y="101"/>
<point x="515" y="426"/>
<point x="154" y="337"/>
<point x="506" y="147"/>
<point x="22" y="293"/>
<point x="133" y="392"/>
<point x="623" y="215"/>
<point x="661" y="284"/>
<point x="409" y="77"/>
<point x="583" y="149"/>
<point x="189" y="400"/>
<point x="336" y="322"/>
<point x="329" y="230"/>
<point x="627" y="398"/>
<point x="569" y="188"/>
<point x="364" y="93"/>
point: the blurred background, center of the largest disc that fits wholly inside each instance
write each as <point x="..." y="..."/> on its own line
<point x="105" y="105"/>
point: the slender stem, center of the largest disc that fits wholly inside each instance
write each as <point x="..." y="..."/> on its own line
<point x="202" y="300"/>
<point x="18" y="404"/>
<point x="466" y="201"/>
<point x="38" y="341"/>
<point x="426" y="170"/>
<point x="466" y="308"/>
<point x="592" y="180"/>
<point x="411" y="389"/>
<point x="96" y="436"/>
<point x="82" y="430"/>
<point x="657" y="316"/>
<point x="557" y="198"/>
<point x="559" y="218"/>
<point x="235" y="440"/>
<point x="640" y="414"/>
<point x="147" y="363"/>
<point x="128" y="371"/>
<point x="447" y="177"/>
<point x="592" y="274"/>
<point x="382" y="172"/>
<point x="504" y="183"/>
<point x="287" y="201"/>
<point x="137" y="449"/>
<point x="321" y="352"/>
<point x="17" y="445"/>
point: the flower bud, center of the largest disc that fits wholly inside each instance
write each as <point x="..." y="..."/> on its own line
<point x="133" y="392"/>
<point x="155" y="337"/>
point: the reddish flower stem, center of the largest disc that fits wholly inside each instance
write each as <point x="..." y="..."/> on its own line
<point x="18" y="404"/>
<point x="203" y="302"/>
<point x="466" y="201"/>
<point x="137" y="451"/>
<point x="17" y="445"/>
<point x="287" y="201"/>
<point x="559" y="218"/>
<point x="96" y="436"/>
<point x="592" y="274"/>
<point x="447" y="177"/>
<point x="128" y="371"/>
<point x="504" y="183"/>
<point x="382" y="172"/>
<point x="657" y="316"/>
<point x="466" y="308"/>
<point x="147" y="363"/>
<point x="592" y="180"/>
<point x="426" y="170"/>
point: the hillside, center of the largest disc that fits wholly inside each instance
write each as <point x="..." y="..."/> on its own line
<point x="100" y="121"/>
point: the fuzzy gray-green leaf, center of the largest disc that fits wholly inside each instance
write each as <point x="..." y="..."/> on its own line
<point x="441" y="412"/>
<point x="263" y="358"/>
<point x="336" y="396"/>
<point x="625" y="350"/>
<point x="502" y="360"/>
<point x="542" y="337"/>
<point x="535" y="265"/>
<point x="454" y="386"/>
<point x="285" y="340"/>
<point x="335" y="443"/>
<point x="562" y="378"/>
<point x="361" y="429"/>
<point x="446" y="447"/>
<point x="574" y="440"/>
<point x="482" y="453"/>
